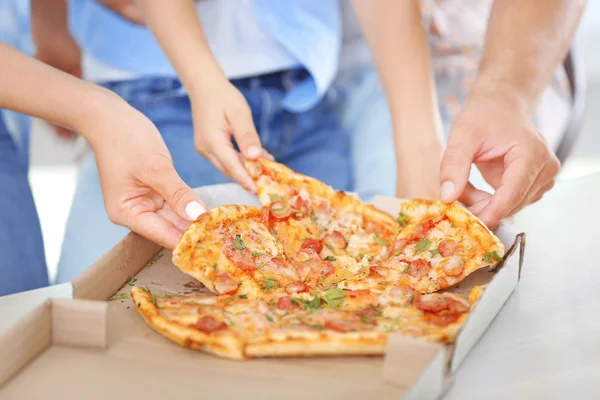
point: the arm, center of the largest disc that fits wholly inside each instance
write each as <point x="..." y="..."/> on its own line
<point x="219" y="109"/>
<point x="140" y="186"/>
<point x="400" y="50"/>
<point x="525" y="44"/>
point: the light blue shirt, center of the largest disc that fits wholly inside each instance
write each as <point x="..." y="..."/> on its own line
<point x="309" y="30"/>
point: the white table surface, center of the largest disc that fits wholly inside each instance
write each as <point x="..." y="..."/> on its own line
<point x="545" y="342"/>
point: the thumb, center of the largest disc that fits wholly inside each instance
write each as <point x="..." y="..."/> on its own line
<point x="245" y="134"/>
<point x="182" y="199"/>
<point x="455" y="168"/>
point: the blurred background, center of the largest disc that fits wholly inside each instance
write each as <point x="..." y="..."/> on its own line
<point x="53" y="162"/>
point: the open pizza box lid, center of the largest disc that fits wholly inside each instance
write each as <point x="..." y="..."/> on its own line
<point x="93" y="348"/>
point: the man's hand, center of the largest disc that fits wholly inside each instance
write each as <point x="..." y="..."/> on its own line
<point x="498" y="137"/>
<point x="141" y="188"/>
<point x="220" y="111"/>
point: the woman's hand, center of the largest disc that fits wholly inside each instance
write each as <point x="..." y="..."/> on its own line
<point x="141" y="188"/>
<point x="418" y="171"/>
<point x="220" y="111"/>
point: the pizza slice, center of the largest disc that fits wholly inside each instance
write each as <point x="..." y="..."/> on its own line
<point x="438" y="246"/>
<point x="304" y="210"/>
<point x="235" y="328"/>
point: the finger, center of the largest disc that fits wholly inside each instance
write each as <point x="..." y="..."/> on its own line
<point x="456" y="167"/>
<point x="517" y="180"/>
<point x="245" y="133"/>
<point x="474" y="199"/>
<point x="179" y="196"/>
<point x="170" y="215"/>
<point x="156" y="228"/>
<point x="234" y="168"/>
<point x="543" y="182"/>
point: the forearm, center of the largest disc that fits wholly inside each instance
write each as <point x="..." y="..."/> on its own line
<point x="30" y="87"/>
<point x="400" y="50"/>
<point x="525" y="43"/>
<point x="178" y="31"/>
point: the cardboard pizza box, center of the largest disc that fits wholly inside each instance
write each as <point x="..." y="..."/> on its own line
<point x="97" y="346"/>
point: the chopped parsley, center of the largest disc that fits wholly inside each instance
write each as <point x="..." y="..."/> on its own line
<point x="410" y="299"/>
<point x="423" y="245"/>
<point x="243" y="296"/>
<point x="274" y="197"/>
<point x="487" y="257"/>
<point x="379" y="240"/>
<point x="154" y="299"/>
<point x="385" y="283"/>
<point x="365" y="319"/>
<point x="329" y="258"/>
<point x="402" y="219"/>
<point x="333" y="297"/>
<point x="120" y="296"/>
<point x="131" y="281"/>
<point x="312" y="305"/>
<point x="434" y="252"/>
<point x="318" y="327"/>
<point x="269" y="317"/>
<point x="313" y="216"/>
<point x="295" y="302"/>
<point x="239" y="243"/>
<point x="361" y="256"/>
<point x="257" y="254"/>
<point x="270" y="283"/>
<point x="405" y="269"/>
<point x="330" y="247"/>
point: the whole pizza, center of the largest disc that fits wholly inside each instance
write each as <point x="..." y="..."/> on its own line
<point x="316" y="271"/>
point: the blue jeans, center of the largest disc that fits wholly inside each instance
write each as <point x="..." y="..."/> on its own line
<point x="22" y="259"/>
<point x="312" y="143"/>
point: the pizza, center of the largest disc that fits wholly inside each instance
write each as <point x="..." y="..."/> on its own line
<point x="315" y="271"/>
<point x="304" y="325"/>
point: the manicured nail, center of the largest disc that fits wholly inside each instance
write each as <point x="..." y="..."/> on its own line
<point x="447" y="191"/>
<point x="254" y="152"/>
<point x="194" y="210"/>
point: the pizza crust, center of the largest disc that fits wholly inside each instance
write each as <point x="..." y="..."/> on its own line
<point x="224" y="345"/>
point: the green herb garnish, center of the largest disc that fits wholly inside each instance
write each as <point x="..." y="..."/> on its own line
<point x="385" y="283"/>
<point x="329" y="258"/>
<point x="313" y="216"/>
<point x="274" y="197"/>
<point x="434" y="252"/>
<point x="270" y="283"/>
<point x="402" y="219"/>
<point x="239" y="243"/>
<point x="411" y="298"/>
<point x="312" y="305"/>
<point x="333" y="297"/>
<point x="487" y="257"/>
<point x="361" y="256"/>
<point x="257" y="254"/>
<point x="423" y="245"/>
<point x="269" y="317"/>
<point x="318" y="327"/>
<point x="120" y="296"/>
<point x="379" y="241"/>
<point x="243" y="296"/>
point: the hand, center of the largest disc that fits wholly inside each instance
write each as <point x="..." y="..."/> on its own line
<point x="126" y="9"/>
<point x="499" y="138"/>
<point x="141" y="188"/>
<point x="61" y="52"/>
<point x="220" y="111"/>
<point x="418" y="171"/>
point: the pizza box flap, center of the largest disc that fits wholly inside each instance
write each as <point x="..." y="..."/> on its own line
<point x="59" y="322"/>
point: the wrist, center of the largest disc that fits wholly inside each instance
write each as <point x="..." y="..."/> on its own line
<point x="504" y="92"/>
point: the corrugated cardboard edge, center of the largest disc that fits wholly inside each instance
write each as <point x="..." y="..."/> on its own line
<point x="24" y="341"/>
<point x="106" y="276"/>
<point x="65" y="322"/>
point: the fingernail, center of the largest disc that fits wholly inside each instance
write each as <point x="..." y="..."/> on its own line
<point x="254" y="152"/>
<point x="447" y="191"/>
<point x="194" y="210"/>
